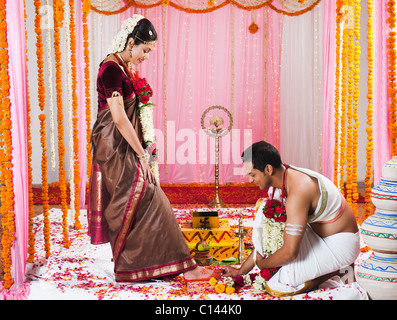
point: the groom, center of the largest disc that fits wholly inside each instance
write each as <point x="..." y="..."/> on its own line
<point x="321" y="234"/>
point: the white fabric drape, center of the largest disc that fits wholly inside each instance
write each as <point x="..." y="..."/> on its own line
<point x="301" y="90"/>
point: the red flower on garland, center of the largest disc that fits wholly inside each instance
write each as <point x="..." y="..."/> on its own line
<point x="143" y="90"/>
<point x="275" y="210"/>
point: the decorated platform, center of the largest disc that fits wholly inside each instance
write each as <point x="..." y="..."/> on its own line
<point x="85" y="271"/>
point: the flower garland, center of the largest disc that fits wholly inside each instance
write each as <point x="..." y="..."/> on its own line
<point x="76" y="165"/>
<point x="145" y="109"/>
<point x="118" y="42"/>
<point x="231" y="285"/>
<point x="392" y="75"/>
<point x="58" y="20"/>
<point x="210" y="7"/>
<point x="86" y="10"/>
<point x="42" y="117"/>
<point x="6" y="172"/>
<point x="350" y="86"/>
<point x="273" y="226"/>
<point x="356" y="97"/>
<point x="50" y="86"/>
<point x="31" y="235"/>
<point x="369" y="148"/>
<point x="272" y="232"/>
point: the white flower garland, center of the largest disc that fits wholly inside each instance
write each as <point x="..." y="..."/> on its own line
<point x="272" y="236"/>
<point x="50" y="86"/>
<point x="120" y="39"/>
<point x="146" y="119"/>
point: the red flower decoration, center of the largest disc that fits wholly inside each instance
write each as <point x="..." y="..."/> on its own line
<point x="143" y="90"/>
<point x="275" y="210"/>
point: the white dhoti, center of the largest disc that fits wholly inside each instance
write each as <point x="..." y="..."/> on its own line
<point x="317" y="257"/>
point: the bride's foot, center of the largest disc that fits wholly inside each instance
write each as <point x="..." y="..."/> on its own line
<point x="200" y="274"/>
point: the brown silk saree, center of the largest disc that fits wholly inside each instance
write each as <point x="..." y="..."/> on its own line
<point x="134" y="215"/>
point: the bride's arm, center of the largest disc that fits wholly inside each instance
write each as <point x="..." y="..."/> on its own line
<point x="127" y="130"/>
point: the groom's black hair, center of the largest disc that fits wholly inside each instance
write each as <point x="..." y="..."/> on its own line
<point x="261" y="154"/>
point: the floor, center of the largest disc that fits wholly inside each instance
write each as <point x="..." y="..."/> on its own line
<point x="38" y="210"/>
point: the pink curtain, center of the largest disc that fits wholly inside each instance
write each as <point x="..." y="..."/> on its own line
<point x="217" y="61"/>
<point x="329" y="61"/>
<point x="18" y="98"/>
<point x="382" y="144"/>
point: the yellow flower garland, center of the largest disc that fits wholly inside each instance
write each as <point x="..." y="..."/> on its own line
<point x="86" y="10"/>
<point x="356" y="97"/>
<point x="41" y="101"/>
<point x="58" y="20"/>
<point x="369" y="147"/>
<point x="31" y="236"/>
<point x="346" y="112"/>
<point x="76" y="165"/>
<point x="6" y="172"/>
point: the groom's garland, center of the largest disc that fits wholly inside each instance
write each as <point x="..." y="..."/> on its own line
<point x="273" y="231"/>
<point x="273" y="239"/>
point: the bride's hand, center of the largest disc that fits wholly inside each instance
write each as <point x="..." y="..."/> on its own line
<point x="147" y="173"/>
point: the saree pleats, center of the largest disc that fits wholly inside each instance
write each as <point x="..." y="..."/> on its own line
<point x="133" y="215"/>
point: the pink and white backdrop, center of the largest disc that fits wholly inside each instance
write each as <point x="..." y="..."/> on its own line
<point x="278" y="84"/>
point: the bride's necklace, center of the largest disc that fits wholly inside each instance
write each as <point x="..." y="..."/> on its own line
<point x="124" y="62"/>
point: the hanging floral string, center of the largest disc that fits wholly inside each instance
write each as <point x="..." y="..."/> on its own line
<point x="50" y="86"/>
<point x="207" y="6"/>
<point x="350" y="86"/>
<point x="356" y="97"/>
<point x="86" y="10"/>
<point x="31" y="235"/>
<point x="42" y="117"/>
<point x="58" y="20"/>
<point x="6" y="167"/>
<point x="369" y="148"/>
<point x="391" y="20"/>
<point x="76" y="165"/>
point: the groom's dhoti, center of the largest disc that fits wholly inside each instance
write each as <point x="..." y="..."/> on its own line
<point x="317" y="257"/>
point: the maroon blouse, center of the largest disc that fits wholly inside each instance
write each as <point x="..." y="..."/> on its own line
<point x="112" y="78"/>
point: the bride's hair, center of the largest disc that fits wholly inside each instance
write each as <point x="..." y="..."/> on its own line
<point x="143" y="32"/>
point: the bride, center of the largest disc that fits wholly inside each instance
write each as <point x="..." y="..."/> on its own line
<point x="126" y="205"/>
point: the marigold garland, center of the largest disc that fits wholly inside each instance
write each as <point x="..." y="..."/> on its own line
<point x="356" y="97"/>
<point x="346" y="114"/>
<point x="391" y="44"/>
<point x="369" y="129"/>
<point x="86" y="10"/>
<point x="6" y="167"/>
<point x="58" y="20"/>
<point x="76" y="165"/>
<point x="41" y="101"/>
<point x="211" y="8"/>
<point x="350" y="86"/>
<point x="31" y="235"/>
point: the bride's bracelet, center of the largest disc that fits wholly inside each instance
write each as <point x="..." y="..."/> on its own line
<point x="145" y="157"/>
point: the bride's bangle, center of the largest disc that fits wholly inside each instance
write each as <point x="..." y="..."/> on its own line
<point x="145" y="157"/>
<point x="254" y="257"/>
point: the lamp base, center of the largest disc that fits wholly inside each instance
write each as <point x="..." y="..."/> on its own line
<point x="217" y="202"/>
